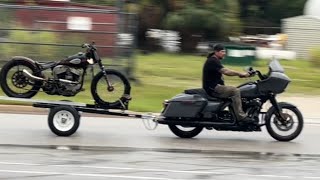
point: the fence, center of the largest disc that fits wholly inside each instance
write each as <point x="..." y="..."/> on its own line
<point x="47" y="33"/>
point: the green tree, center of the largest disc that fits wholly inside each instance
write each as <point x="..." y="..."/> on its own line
<point x="203" y="18"/>
<point x="265" y="13"/>
<point x="279" y="9"/>
<point x="213" y="19"/>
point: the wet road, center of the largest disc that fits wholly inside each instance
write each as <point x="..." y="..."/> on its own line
<point x="106" y="148"/>
<point x="126" y="163"/>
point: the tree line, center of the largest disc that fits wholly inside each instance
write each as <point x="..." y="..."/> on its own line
<point x="206" y="19"/>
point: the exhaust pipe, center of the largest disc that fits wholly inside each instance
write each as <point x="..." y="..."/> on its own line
<point x="68" y="81"/>
<point x="26" y="73"/>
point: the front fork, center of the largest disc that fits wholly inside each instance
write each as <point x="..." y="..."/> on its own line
<point x="110" y="87"/>
<point x="278" y="112"/>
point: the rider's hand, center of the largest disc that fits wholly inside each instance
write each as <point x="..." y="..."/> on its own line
<point x="244" y="75"/>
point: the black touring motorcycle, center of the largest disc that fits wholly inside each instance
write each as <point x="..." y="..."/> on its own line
<point x="188" y="113"/>
<point x="23" y="77"/>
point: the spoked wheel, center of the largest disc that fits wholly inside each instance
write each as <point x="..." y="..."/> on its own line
<point x="63" y="120"/>
<point x="113" y="95"/>
<point x="286" y="128"/>
<point x="15" y="83"/>
<point x="185" y="132"/>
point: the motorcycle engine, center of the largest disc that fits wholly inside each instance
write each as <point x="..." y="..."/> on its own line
<point x="67" y="73"/>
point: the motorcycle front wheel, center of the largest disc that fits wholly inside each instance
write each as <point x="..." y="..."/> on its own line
<point x="110" y="96"/>
<point x="285" y="129"/>
<point x="13" y="81"/>
<point x="185" y="132"/>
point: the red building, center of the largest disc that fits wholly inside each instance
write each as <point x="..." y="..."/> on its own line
<point x="96" y="23"/>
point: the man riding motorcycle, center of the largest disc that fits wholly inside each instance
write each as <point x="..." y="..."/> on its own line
<point x="213" y="83"/>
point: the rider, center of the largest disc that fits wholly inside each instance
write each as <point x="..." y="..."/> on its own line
<point x="213" y="83"/>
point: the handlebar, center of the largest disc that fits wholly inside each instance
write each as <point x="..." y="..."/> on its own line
<point x="89" y="46"/>
<point x="85" y="45"/>
<point x="260" y="75"/>
<point x="92" y="51"/>
<point x="253" y="72"/>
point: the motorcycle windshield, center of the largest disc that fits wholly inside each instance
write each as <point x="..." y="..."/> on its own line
<point x="275" y="66"/>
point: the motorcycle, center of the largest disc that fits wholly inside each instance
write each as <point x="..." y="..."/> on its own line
<point x="188" y="113"/>
<point x="22" y="77"/>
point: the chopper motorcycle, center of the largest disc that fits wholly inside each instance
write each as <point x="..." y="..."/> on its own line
<point x="22" y="77"/>
<point x="188" y="113"/>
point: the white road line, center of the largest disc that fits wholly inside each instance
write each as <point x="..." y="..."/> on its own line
<point x="267" y="176"/>
<point x="116" y="168"/>
<point x="142" y="169"/>
<point x="80" y="174"/>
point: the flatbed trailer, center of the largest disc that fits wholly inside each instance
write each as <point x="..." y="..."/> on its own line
<point x="64" y="116"/>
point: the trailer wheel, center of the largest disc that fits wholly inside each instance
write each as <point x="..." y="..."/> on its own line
<point x="63" y="120"/>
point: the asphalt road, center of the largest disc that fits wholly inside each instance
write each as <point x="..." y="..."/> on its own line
<point x="115" y="148"/>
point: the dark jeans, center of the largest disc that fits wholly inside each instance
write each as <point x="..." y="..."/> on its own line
<point x="233" y="92"/>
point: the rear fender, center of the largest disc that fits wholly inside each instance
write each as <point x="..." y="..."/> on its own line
<point x="16" y="58"/>
<point x="31" y="61"/>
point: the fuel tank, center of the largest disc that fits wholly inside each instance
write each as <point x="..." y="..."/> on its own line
<point x="77" y="60"/>
<point x="249" y="90"/>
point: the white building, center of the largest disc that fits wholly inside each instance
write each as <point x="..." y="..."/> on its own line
<point x="303" y="31"/>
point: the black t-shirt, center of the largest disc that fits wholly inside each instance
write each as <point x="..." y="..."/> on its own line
<point x="211" y="74"/>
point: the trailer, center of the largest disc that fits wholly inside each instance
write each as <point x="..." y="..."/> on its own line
<point x="64" y="116"/>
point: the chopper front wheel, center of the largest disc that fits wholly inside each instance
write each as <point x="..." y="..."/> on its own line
<point x="112" y="93"/>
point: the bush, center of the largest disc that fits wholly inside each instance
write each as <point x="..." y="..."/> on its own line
<point x="32" y="51"/>
<point x="315" y="56"/>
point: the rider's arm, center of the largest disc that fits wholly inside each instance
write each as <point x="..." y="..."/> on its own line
<point x="230" y="72"/>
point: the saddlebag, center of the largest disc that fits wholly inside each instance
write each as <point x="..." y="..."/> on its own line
<point x="184" y="105"/>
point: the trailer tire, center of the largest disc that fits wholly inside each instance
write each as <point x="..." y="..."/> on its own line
<point x="63" y="120"/>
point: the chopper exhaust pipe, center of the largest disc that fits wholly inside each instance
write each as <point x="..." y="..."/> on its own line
<point x="26" y="73"/>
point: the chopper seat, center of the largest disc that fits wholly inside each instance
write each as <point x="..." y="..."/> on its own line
<point x="203" y="93"/>
<point x="46" y="65"/>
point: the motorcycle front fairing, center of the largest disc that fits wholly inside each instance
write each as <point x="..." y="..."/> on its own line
<point x="276" y="81"/>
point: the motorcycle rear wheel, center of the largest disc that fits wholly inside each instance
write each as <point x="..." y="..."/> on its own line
<point x="19" y="80"/>
<point x="184" y="133"/>
<point x="110" y="97"/>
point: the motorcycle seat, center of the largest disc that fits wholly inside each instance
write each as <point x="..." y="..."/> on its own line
<point x="46" y="65"/>
<point x="202" y="93"/>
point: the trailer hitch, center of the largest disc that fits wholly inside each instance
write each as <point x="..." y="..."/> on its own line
<point x="149" y="121"/>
